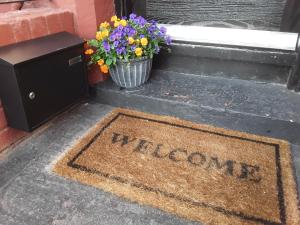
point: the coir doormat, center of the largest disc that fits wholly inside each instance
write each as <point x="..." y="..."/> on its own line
<point x="199" y="172"/>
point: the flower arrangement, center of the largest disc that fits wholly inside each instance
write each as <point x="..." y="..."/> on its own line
<point x="125" y="40"/>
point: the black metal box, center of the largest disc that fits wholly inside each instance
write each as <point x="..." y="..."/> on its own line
<point x="40" y="78"/>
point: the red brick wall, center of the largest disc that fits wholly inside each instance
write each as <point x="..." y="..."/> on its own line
<point x="9" y="7"/>
<point x="42" y="17"/>
<point x="32" y="23"/>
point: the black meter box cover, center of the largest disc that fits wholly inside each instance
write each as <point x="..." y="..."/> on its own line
<point x="40" y="78"/>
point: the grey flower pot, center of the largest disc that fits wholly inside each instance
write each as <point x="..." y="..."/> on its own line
<point x="131" y="74"/>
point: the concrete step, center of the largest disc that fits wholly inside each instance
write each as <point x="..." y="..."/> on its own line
<point x="260" y="108"/>
<point x="254" y="64"/>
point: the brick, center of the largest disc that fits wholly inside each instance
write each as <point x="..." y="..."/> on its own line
<point x="3" y="122"/>
<point x="67" y="21"/>
<point x="9" y="136"/>
<point x="21" y="30"/>
<point x="86" y="18"/>
<point x="54" y="23"/>
<point x="38" y="26"/>
<point x="8" y="38"/>
<point x="37" y="4"/>
<point x="9" y="7"/>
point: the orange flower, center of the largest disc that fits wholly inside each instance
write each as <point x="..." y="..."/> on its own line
<point x="104" y="68"/>
<point x="89" y="51"/>
<point x="100" y="62"/>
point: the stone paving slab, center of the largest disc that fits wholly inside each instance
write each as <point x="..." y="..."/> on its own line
<point x="31" y="194"/>
<point x="133" y="99"/>
<point x="267" y="100"/>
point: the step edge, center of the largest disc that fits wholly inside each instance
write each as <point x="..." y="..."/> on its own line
<point x="199" y="106"/>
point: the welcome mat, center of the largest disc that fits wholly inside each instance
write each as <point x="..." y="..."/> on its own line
<point x="199" y="172"/>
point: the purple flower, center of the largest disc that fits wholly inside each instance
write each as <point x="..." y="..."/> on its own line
<point x="142" y="36"/>
<point x="168" y="40"/>
<point x="163" y="30"/>
<point x="120" y="50"/>
<point x="106" y="46"/>
<point x="130" y="31"/>
<point x="112" y="37"/>
<point x="132" y="16"/>
<point x="118" y="35"/>
<point x="116" y="43"/>
<point x="120" y="28"/>
<point x="124" y="42"/>
<point x="127" y="29"/>
<point x="140" y="21"/>
<point x="153" y="22"/>
<point x="152" y="29"/>
<point x="133" y="47"/>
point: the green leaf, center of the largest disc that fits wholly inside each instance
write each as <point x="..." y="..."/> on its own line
<point x="93" y="43"/>
<point x="114" y="60"/>
<point x="108" y="61"/>
<point x="126" y="57"/>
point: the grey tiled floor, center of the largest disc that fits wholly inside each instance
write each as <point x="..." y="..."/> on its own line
<point x="30" y="194"/>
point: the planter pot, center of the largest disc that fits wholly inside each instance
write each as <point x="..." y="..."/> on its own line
<point x="131" y="74"/>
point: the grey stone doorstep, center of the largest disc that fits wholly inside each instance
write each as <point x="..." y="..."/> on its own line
<point x="33" y="195"/>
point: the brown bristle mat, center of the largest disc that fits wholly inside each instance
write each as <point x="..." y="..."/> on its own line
<point x="195" y="171"/>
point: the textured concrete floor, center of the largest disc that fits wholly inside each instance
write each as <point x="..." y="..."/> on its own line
<point x="30" y="194"/>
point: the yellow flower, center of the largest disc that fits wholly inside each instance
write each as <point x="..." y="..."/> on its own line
<point x="104" y="25"/>
<point x="89" y="51"/>
<point x="105" y="33"/>
<point x="116" y="24"/>
<point x="114" y="18"/>
<point x="104" y="68"/>
<point x="100" y="62"/>
<point x="144" y="41"/>
<point x="99" y="36"/>
<point x="130" y="40"/>
<point x="138" y="51"/>
<point x="123" y="23"/>
<point x="137" y="41"/>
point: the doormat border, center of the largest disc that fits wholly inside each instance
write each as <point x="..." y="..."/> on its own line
<point x="282" y="209"/>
